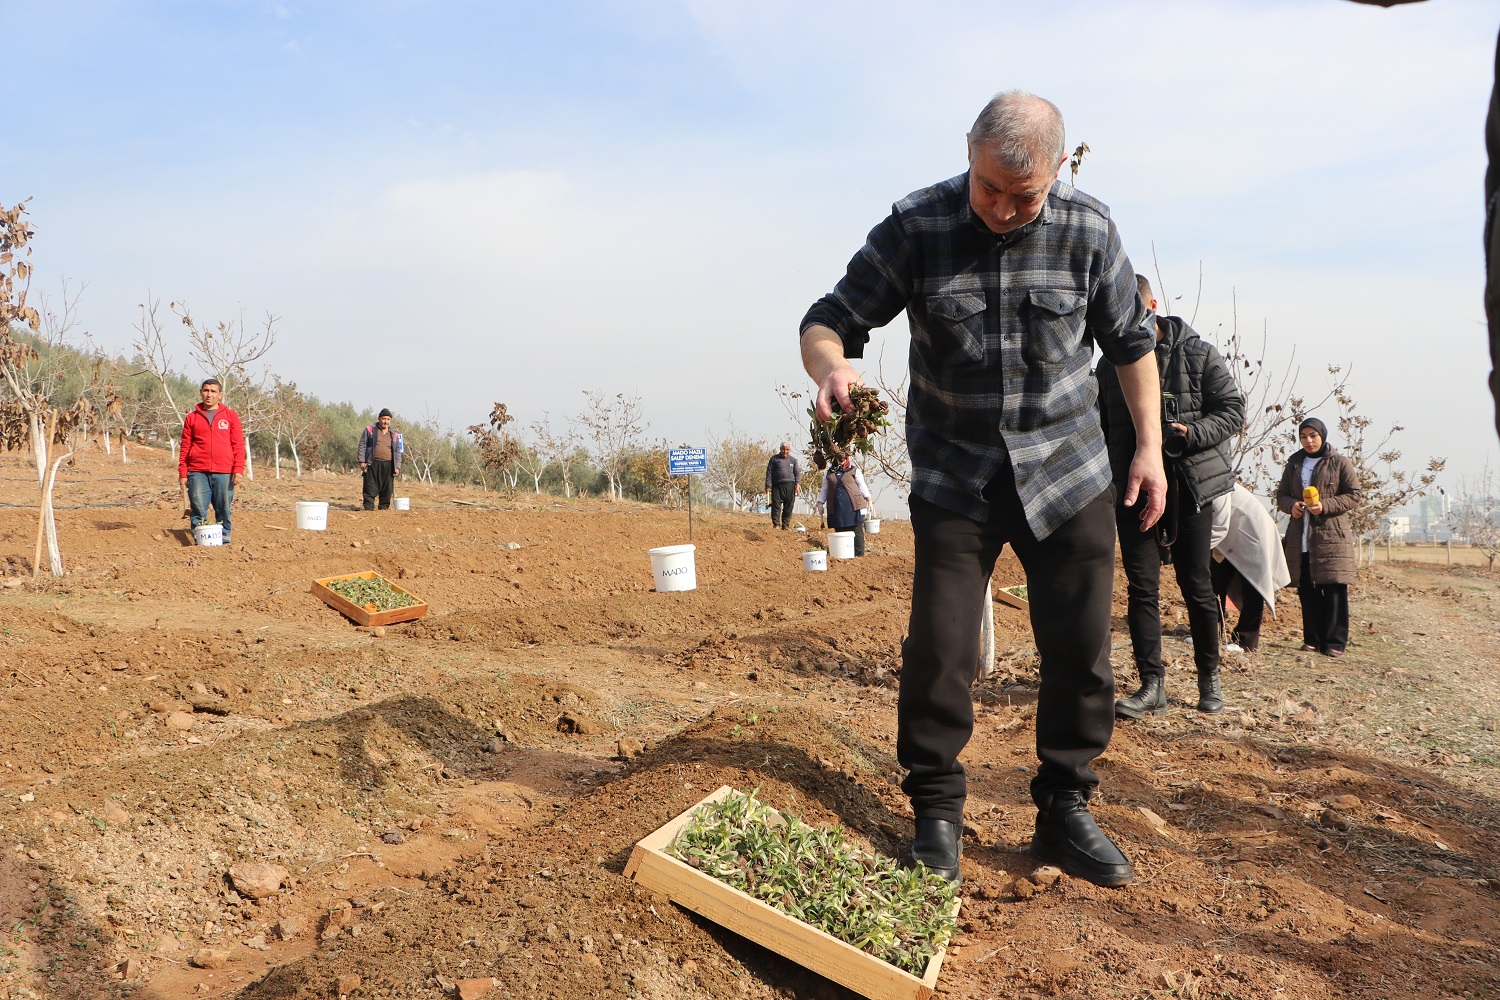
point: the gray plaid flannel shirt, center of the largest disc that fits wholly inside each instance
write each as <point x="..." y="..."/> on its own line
<point x="1002" y="336"/>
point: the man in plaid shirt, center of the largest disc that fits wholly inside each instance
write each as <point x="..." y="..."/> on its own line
<point x="1009" y="279"/>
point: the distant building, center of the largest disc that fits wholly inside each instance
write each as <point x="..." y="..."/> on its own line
<point x="1397" y="527"/>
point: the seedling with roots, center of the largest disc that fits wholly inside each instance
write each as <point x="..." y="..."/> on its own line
<point x="844" y="434"/>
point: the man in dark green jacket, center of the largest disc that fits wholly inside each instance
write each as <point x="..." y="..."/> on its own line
<point x="1202" y="409"/>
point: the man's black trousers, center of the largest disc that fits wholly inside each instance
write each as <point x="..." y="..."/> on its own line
<point x="380" y="481"/>
<point x="1192" y="560"/>
<point x="1069" y="576"/>
<point x="783" y="497"/>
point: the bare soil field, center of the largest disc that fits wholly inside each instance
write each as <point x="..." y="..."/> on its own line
<point x="453" y="800"/>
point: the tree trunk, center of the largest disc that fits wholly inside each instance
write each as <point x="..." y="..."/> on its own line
<point x="249" y="461"/>
<point x="124" y="456"/>
<point x="42" y="518"/>
<point x="49" y="522"/>
<point x="39" y="442"/>
<point x="109" y="442"/>
<point x="295" y="457"/>
<point x="277" y="450"/>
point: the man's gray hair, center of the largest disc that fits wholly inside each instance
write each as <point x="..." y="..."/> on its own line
<point x="1023" y="132"/>
<point x="786" y="444"/>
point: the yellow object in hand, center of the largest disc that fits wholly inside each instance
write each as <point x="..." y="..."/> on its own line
<point x="1309" y="495"/>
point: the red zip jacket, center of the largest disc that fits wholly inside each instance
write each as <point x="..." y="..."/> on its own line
<point x="220" y="448"/>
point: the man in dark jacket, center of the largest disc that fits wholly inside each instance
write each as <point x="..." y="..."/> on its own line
<point x="1201" y="411"/>
<point x="380" y="450"/>
<point x="783" y="472"/>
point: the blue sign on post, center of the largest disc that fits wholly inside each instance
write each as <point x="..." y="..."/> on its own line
<point x="687" y="461"/>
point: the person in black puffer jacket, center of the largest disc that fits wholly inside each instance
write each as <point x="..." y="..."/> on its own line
<point x="1202" y="409"/>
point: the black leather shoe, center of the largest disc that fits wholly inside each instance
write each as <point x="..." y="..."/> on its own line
<point x="1067" y="836"/>
<point x="937" y="844"/>
<point x="1151" y="699"/>
<point x="1210" y="695"/>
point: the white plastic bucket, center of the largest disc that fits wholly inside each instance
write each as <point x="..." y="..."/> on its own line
<point x="674" y="568"/>
<point x="841" y="545"/>
<point x="815" y="561"/>
<point x="872" y="526"/>
<point x="209" y="534"/>
<point x="312" y="515"/>
<point x="402" y="503"/>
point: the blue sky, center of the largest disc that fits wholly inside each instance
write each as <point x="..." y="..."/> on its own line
<point x="449" y="204"/>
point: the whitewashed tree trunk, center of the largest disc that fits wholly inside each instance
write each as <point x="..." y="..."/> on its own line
<point x="174" y="448"/>
<point x="249" y="462"/>
<point x="49" y="524"/>
<point x="109" y="441"/>
<point x="278" y="458"/>
<point x="124" y="455"/>
<point x="39" y="444"/>
<point x="295" y="457"/>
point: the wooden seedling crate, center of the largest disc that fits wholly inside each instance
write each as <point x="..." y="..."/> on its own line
<point x="358" y="614"/>
<point x="1004" y="596"/>
<point x="767" y="926"/>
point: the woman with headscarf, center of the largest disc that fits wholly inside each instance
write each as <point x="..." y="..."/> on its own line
<point x="1318" y="489"/>
<point x="847" y="497"/>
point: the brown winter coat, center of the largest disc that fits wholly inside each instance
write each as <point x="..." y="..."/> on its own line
<point x="1330" y="550"/>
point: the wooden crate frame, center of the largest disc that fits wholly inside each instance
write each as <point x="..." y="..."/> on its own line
<point x="1004" y="597"/>
<point x="767" y="926"/>
<point x="358" y="614"/>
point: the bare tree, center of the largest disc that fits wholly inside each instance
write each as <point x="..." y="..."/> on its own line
<point x="1273" y="406"/>
<point x="615" y="426"/>
<point x="31" y="377"/>
<point x="294" y="417"/>
<point x="1476" y="515"/>
<point x="425" y="441"/>
<point x="737" y="466"/>
<point x="559" y="447"/>
<point x="150" y="346"/>
<point x="226" y="352"/>
<point x="532" y="461"/>
<point x="1386" y="487"/>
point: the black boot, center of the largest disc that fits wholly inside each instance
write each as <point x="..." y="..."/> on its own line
<point x="1151" y="699"/>
<point x="937" y="844"/>
<point x="1067" y="836"/>
<point x="1210" y="695"/>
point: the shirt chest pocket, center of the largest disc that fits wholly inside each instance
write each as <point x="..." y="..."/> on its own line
<point x="1054" y="322"/>
<point x="955" y="326"/>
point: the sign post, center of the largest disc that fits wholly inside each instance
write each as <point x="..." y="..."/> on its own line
<point x="687" y="462"/>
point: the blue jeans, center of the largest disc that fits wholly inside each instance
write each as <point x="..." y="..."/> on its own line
<point x="205" y="488"/>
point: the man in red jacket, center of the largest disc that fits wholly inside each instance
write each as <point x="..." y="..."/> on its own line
<point x="212" y="457"/>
